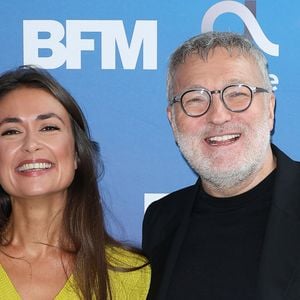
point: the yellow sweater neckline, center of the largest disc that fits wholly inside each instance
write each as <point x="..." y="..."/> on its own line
<point x="7" y="287"/>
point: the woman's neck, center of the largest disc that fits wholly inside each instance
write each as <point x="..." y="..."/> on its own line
<point x="35" y="224"/>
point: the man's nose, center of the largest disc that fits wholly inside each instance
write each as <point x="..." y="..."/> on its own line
<point x="218" y="114"/>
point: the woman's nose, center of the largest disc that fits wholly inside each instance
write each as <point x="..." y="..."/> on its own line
<point x="31" y="143"/>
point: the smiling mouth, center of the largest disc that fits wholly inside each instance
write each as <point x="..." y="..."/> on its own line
<point x="34" y="167"/>
<point x="221" y="140"/>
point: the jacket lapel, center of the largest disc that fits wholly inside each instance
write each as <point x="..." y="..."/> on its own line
<point x="279" y="268"/>
<point x="177" y="243"/>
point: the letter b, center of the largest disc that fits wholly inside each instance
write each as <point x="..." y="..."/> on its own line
<point x="32" y="43"/>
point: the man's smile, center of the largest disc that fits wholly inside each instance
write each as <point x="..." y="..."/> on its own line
<point x="220" y="140"/>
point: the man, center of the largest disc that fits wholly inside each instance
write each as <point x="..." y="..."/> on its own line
<point x="235" y="234"/>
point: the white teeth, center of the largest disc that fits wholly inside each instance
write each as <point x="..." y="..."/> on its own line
<point x="34" y="166"/>
<point x="222" y="138"/>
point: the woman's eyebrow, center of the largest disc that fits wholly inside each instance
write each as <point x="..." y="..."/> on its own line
<point x="10" y="120"/>
<point x="48" y="116"/>
<point x="39" y="117"/>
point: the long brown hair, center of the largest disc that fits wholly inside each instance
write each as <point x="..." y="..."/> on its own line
<point x="83" y="221"/>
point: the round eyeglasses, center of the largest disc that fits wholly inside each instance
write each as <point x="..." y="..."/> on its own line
<point x="235" y="97"/>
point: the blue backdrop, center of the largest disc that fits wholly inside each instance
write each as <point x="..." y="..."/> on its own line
<point x="112" y="57"/>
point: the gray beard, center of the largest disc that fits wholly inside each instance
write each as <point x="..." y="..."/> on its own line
<point x="237" y="171"/>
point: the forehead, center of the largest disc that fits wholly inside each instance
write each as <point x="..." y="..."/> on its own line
<point x="220" y="68"/>
<point x="27" y="101"/>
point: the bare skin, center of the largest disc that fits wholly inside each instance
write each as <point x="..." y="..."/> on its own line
<point x="221" y="69"/>
<point x="37" y="271"/>
<point x="38" y="160"/>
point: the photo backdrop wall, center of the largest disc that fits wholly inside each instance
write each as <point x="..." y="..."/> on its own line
<point x="112" y="57"/>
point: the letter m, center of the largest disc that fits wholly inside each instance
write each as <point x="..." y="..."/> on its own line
<point x="144" y="34"/>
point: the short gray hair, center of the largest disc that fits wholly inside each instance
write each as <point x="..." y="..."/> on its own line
<point x="203" y="44"/>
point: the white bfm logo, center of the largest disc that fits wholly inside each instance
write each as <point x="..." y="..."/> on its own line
<point x="112" y="36"/>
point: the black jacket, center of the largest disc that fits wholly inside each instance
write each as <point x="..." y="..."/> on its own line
<point x="166" y="222"/>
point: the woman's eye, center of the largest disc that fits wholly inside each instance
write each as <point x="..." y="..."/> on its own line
<point x="50" y="128"/>
<point x="10" y="132"/>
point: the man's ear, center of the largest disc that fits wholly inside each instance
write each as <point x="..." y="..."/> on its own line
<point x="170" y="115"/>
<point x="272" y="104"/>
<point x="171" y="118"/>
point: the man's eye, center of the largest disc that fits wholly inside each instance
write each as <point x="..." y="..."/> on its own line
<point x="196" y="101"/>
<point x="10" y="132"/>
<point x="238" y="94"/>
<point x="50" y="128"/>
<point x="232" y="93"/>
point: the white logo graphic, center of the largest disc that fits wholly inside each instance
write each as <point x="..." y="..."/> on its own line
<point x="151" y="197"/>
<point x="247" y="17"/>
<point x="113" y="36"/>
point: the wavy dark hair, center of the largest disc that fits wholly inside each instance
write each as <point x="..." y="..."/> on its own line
<point x="83" y="228"/>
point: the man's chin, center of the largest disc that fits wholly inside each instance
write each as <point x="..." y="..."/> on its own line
<point x="224" y="179"/>
<point x="221" y="169"/>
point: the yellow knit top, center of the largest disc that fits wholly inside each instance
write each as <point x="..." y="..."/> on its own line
<point x="132" y="285"/>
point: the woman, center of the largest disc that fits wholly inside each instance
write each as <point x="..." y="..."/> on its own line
<point x="53" y="242"/>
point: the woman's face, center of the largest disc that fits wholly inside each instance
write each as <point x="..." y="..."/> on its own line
<point x="37" y="149"/>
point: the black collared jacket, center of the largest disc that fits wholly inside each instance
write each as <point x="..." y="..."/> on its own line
<point x="166" y="222"/>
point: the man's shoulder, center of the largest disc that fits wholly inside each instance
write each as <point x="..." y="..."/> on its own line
<point x="163" y="218"/>
<point x="170" y="209"/>
<point x="287" y="184"/>
<point x="283" y="159"/>
<point x="174" y="200"/>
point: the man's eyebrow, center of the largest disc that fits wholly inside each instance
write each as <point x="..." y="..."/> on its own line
<point x="48" y="116"/>
<point x="234" y="81"/>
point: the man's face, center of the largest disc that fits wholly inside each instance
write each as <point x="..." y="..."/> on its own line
<point x="225" y="148"/>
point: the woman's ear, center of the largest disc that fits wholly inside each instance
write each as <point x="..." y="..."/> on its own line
<point x="76" y="160"/>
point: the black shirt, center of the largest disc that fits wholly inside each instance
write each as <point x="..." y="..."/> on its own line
<point x="220" y="256"/>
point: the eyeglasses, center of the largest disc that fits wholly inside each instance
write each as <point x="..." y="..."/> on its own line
<point x="235" y="97"/>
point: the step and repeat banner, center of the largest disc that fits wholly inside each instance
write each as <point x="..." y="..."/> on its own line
<point x="112" y="57"/>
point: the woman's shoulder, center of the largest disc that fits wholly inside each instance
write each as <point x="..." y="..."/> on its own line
<point x="126" y="258"/>
<point x="129" y="273"/>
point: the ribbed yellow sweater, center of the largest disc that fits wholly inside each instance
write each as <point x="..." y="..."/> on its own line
<point x="125" y="285"/>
